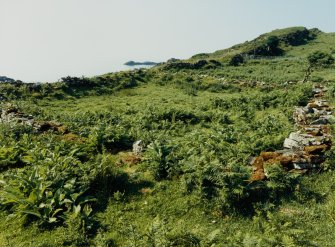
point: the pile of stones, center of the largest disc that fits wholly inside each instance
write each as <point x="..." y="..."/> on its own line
<point x="12" y="115"/>
<point x="304" y="149"/>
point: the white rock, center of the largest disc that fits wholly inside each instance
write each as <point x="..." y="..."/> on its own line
<point x="138" y="147"/>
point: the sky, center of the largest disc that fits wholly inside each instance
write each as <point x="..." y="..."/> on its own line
<point x="44" y="40"/>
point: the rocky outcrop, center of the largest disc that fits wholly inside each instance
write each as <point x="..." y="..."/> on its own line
<point x="11" y="114"/>
<point x="304" y="149"/>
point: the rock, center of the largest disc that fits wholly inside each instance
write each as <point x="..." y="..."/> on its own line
<point x="316" y="149"/>
<point x="300" y="116"/>
<point x="317" y="159"/>
<point x="258" y="175"/>
<point x="312" y="105"/>
<point x="285" y="160"/>
<point x="269" y="155"/>
<point x="138" y="147"/>
<point x="296" y="140"/>
<point x="317" y="90"/>
<point x="330" y="118"/>
<point x="319" y="112"/>
<point x="322" y="120"/>
<point x="303" y="166"/>
<point x="323" y="130"/>
<point x="314" y="131"/>
<point x="258" y="163"/>
<point x="251" y="160"/>
<point x="322" y="103"/>
<point x="318" y="104"/>
<point x="30" y="122"/>
<point x="308" y="110"/>
<point x="318" y="95"/>
<point x="289" y="143"/>
<point x="258" y="169"/>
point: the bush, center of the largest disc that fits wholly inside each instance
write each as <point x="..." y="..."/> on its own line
<point x="236" y="60"/>
<point x="319" y="59"/>
<point x="299" y="37"/>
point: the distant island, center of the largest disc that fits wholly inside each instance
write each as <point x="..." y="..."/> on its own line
<point x="133" y="63"/>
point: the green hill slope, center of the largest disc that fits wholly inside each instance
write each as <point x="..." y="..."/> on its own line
<point x="297" y="41"/>
<point x="69" y="175"/>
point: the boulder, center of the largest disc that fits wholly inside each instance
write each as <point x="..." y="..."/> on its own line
<point x="138" y="147"/>
<point x="297" y="140"/>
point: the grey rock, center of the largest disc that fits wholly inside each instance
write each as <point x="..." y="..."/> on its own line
<point x="324" y="119"/>
<point x="321" y="121"/>
<point x="297" y="140"/>
<point x="303" y="166"/>
<point x="289" y="143"/>
<point x="330" y="118"/>
<point x="317" y="90"/>
<point x="138" y="147"/>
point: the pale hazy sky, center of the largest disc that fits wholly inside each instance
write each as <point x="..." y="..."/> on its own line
<point x="43" y="40"/>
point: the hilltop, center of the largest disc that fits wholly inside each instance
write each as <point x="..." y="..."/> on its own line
<point x="281" y="42"/>
<point x="162" y="156"/>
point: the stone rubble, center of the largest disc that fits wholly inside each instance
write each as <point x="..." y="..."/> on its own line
<point x="11" y="114"/>
<point x="304" y="149"/>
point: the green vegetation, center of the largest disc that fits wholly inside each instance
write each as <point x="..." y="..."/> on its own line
<point x="200" y="120"/>
<point x="318" y="60"/>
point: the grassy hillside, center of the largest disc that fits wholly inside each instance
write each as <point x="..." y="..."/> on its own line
<point x="69" y="177"/>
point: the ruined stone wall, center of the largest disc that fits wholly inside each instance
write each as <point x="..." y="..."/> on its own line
<point x="304" y="149"/>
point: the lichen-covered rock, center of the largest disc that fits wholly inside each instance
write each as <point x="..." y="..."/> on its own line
<point x="300" y="115"/>
<point x="297" y="141"/>
<point x="320" y="149"/>
<point x="269" y="155"/>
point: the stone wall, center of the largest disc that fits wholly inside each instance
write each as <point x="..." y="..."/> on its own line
<point x="305" y="148"/>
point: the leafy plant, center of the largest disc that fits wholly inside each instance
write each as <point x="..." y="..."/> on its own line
<point x="38" y="195"/>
